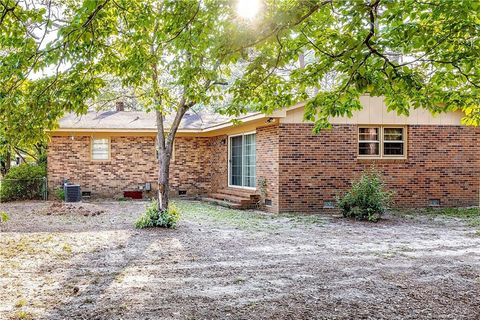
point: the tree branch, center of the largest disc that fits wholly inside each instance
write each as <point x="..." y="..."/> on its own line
<point x="176" y="35"/>
<point x="7" y="10"/>
<point x="373" y="14"/>
<point x="94" y="13"/>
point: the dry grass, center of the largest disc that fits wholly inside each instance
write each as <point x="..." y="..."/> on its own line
<point x="223" y="263"/>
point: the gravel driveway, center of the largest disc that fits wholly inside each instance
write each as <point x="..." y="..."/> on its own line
<point x="86" y="261"/>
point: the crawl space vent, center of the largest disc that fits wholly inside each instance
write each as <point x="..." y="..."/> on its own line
<point x="328" y="204"/>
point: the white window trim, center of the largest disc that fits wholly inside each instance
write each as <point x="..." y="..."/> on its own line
<point x="109" y="148"/>
<point x="228" y="161"/>
<point x="381" y="141"/>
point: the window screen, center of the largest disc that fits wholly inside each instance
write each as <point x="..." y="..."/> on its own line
<point x="100" y="149"/>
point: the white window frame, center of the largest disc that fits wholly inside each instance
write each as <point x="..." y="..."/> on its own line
<point x="228" y="160"/>
<point x="109" y="141"/>
<point x="379" y="141"/>
<point x="381" y="154"/>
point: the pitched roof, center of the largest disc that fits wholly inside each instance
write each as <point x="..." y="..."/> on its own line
<point x="139" y="120"/>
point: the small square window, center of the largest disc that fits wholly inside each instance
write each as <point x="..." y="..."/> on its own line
<point x="100" y="149"/>
<point x="369" y="141"/>
<point x="393" y="142"/>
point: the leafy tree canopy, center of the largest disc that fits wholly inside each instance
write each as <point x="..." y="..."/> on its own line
<point x="416" y="53"/>
<point x="29" y="101"/>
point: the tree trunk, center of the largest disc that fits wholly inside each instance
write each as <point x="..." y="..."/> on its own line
<point x="163" y="181"/>
<point x="163" y="165"/>
<point x="8" y="161"/>
<point x="165" y="148"/>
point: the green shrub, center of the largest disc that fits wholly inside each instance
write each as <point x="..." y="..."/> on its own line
<point x="367" y="199"/>
<point x="23" y="182"/>
<point x="60" y="194"/>
<point x="154" y="218"/>
<point x="4" y="217"/>
<point x="42" y="159"/>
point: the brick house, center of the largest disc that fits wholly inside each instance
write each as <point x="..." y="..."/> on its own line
<point x="274" y="159"/>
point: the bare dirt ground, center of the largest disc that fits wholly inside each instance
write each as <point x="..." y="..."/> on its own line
<point x="86" y="261"/>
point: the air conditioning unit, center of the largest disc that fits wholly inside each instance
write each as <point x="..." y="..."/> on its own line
<point x="72" y="193"/>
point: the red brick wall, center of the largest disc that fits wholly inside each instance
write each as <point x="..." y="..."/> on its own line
<point x="267" y="163"/>
<point x="443" y="163"/>
<point x="216" y="162"/>
<point x="199" y="164"/>
<point x="302" y="170"/>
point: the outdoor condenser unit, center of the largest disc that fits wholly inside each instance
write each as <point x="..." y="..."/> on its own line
<point x="72" y="193"/>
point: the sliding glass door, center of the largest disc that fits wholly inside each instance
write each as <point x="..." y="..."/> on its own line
<point x="242" y="160"/>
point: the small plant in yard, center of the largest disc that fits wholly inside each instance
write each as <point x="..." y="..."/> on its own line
<point x="67" y="248"/>
<point x="20" y="303"/>
<point x="155" y="218"/>
<point x="60" y="194"/>
<point x="367" y="199"/>
<point x="22" y="315"/>
<point x="3" y="217"/>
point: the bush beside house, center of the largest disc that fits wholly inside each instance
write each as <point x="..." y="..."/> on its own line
<point x="367" y="199"/>
<point x="24" y="182"/>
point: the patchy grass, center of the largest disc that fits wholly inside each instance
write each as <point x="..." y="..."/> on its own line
<point x="305" y="219"/>
<point x="33" y="245"/>
<point x="22" y="315"/>
<point x="20" y="303"/>
<point x="471" y="216"/>
<point x="463" y="213"/>
<point x="200" y="211"/>
<point x="25" y="245"/>
<point x="3" y="217"/>
<point x="247" y="219"/>
<point x="67" y="248"/>
<point x="222" y="261"/>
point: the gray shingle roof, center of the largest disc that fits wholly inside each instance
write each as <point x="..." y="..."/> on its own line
<point x="138" y="120"/>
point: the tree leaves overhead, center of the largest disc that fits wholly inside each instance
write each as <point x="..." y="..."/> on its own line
<point x="29" y="101"/>
<point x="421" y="54"/>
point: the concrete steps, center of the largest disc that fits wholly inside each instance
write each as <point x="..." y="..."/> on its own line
<point x="234" y="198"/>
<point x="222" y="203"/>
